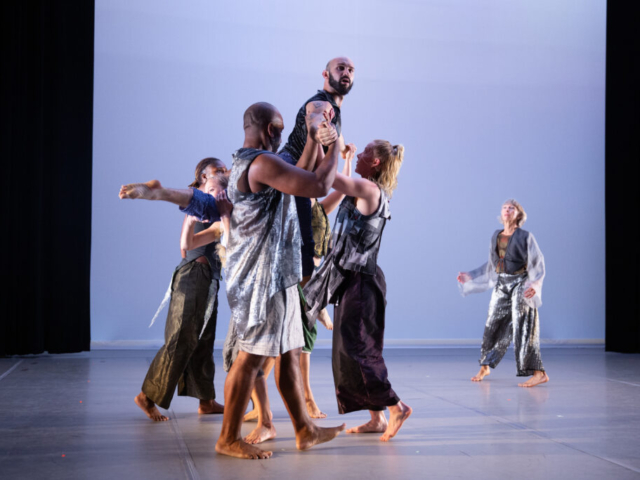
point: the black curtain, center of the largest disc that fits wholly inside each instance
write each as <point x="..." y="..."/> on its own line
<point x="622" y="153"/>
<point x="46" y="146"/>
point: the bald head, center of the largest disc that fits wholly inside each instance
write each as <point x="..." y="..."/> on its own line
<point x="263" y="122"/>
<point x="335" y="61"/>
<point x="259" y="115"/>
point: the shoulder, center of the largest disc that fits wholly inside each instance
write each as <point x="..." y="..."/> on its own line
<point x="320" y="95"/>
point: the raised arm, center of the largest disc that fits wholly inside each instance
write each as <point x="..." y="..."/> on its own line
<point x="269" y="170"/>
<point x="319" y="113"/>
<point x="331" y="201"/>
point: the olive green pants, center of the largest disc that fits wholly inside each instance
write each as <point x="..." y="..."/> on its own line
<point x="186" y="358"/>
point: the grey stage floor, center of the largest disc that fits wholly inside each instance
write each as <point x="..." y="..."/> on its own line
<point x="73" y="417"/>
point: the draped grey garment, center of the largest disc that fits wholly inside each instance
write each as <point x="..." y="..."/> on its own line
<point x="263" y="252"/>
<point x="354" y="246"/>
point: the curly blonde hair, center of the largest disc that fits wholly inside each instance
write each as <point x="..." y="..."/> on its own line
<point x="390" y="157"/>
<point x="522" y="215"/>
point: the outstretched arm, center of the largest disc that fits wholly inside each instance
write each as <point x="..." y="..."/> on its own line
<point x="367" y="192"/>
<point x="269" y="170"/>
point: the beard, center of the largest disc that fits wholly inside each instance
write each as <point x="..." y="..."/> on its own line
<point x="340" y="88"/>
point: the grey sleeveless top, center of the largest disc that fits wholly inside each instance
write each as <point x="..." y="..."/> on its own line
<point x="355" y="245"/>
<point x="263" y="252"/>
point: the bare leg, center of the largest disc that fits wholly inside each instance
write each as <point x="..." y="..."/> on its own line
<point x="147" y="191"/>
<point x="398" y="413"/>
<point x="484" y="371"/>
<point x="538" y="377"/>
<point x="377" y="424"/>
<point x="237" y="390"/>
<point x="254" y="415"/>
<point x="325" y="319"/>
<point x="149" y="408"/>
<point x="210" y="406"/>
<point x="289" y="382"/>
<point x="265" y="429"/>
<point x="305" y="368"/>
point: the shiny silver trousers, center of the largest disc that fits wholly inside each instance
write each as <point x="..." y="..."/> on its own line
<point x="511" y="317"/>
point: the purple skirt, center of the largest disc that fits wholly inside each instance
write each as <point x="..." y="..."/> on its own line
<point x="359" y="371"/>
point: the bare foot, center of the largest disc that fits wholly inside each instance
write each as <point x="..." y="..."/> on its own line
<point x="484" y="371"/>
<point x="253" y="416"/>
<point x="241" y="449"/>
<point x="397" y="416"/>
<point x="325" y="319"/>
<point x="314" y="411"/>
<point x="538" y="378"/>
<point x="260" y="434"/>
<point x="149" y="408"/>
<point x="306" y="439"/>
<point x="139" y="190"/>
<point x="377" y="425"/>
<point x="210" y="406"/>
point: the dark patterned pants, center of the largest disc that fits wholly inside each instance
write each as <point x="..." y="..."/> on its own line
<point x="185" y="360"/>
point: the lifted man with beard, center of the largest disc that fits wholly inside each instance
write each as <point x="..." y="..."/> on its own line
<point x="338" y="80"/>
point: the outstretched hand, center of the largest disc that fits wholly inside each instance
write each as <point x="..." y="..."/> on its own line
<point x="463" y="277"/>
<point x="223" y="204"/>
<point x="530" y="292"/>
<point x="145" y="191"/>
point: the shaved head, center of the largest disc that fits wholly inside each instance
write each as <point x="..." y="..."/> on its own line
<point x="259" y="115"/>
<point x="263" y="121"/>
<point x="333" y="61"/>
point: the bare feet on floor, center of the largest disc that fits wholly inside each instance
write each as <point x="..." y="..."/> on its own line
<point x="260" y="434"/>
<point x="149" y="408"/>
<point x="314" y="411"/>
<point x="538" y="378"/>
<point x="397" y="416"/>
<point x="208" y="407"/>
<point x="377" y="425"/>
<point x="241" y="449"/>
<point x="484" y="371"/>
<point x="306" y="439"/>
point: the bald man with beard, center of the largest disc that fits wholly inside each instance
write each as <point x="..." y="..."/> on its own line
<point x="338" y="78"/>
<point x="264" y="269"/>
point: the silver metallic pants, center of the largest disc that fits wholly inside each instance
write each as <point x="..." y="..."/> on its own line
<point x="511" y="317"/>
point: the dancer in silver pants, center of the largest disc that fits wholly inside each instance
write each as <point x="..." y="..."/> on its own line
<point x="511" y="317"/>
<point x="515" y="271"/>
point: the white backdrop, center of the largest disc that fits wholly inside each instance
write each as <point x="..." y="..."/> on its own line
<point x="492" y="100"/>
